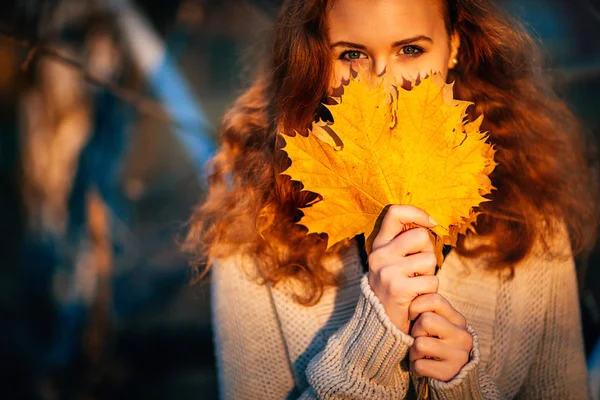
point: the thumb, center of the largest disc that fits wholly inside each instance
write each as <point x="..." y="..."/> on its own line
<point x="395" y="219"/>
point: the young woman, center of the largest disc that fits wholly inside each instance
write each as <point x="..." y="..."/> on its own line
<point x="500" y="319"/>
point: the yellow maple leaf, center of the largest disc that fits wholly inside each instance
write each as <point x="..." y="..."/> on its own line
<point x="398" y="146"/>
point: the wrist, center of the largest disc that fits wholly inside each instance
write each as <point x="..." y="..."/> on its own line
<point x="398" y="314"/>
<point x="399" y="317"/>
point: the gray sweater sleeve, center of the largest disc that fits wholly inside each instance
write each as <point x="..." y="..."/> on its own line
<point x="363" y="358"/>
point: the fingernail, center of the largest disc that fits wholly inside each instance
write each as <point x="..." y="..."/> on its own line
<point x="432" y="221"/>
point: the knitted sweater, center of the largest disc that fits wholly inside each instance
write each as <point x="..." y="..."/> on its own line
<point x="526" y="331"/>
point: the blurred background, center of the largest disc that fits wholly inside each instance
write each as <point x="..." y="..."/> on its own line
<point x="108" y="112"/>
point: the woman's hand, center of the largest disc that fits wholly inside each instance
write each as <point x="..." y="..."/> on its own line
<point x="442" y="343"/>
<point x="402" y="262"/>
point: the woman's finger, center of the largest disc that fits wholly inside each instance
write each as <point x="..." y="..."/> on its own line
<point x="436" y="349"/>
<point x="406" y="289"/>
<point x="395" y="220"/>
<point x="432" y="324"/>
<point x="436" y="303"/>
<point x="412" y="241"/>
<point x="441" y="370"/>
<point x="410" y="266"/>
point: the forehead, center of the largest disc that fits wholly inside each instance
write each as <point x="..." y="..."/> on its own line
<point x="384" y="20"/>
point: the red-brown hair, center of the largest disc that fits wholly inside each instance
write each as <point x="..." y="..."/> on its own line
<point x="542" y="176"/>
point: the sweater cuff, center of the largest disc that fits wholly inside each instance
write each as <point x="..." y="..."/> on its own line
<point x="376" y="346"/>
<point x="466" y="383"/>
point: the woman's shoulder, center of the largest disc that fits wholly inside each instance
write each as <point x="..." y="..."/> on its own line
<point x="245" y="268"/>
<point x="550" y="249"/>
<point x="550" y="255"/>
<point x="474" y="280"/>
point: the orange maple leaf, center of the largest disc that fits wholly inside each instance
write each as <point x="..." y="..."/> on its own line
<point x="397" y="147"/>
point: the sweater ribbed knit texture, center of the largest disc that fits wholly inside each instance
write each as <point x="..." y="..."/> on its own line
<point x="526" y="331"/>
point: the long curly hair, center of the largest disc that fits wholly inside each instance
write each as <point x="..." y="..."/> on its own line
<point x="543" y="174"/>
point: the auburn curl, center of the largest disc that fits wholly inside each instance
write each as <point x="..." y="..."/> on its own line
<point x="543" y="174"/>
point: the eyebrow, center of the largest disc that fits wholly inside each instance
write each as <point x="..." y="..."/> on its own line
<point x="412" y="40"/>
<point x="395" y="44"/>
<point x="348" y="44"/>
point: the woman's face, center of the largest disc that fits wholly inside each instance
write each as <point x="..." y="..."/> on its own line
<point x="404" y="38"/>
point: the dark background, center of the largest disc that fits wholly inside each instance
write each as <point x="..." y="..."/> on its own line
<point x="95" y="300"/>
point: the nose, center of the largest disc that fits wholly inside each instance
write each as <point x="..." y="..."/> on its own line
<point x="379" y="67"/>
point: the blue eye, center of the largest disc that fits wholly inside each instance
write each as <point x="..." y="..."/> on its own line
<point x="411" y="50"/>
<point x="352" y="55"/>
